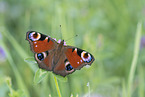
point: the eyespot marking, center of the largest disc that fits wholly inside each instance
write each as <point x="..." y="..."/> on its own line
<point x="68" y="66"/>
<point x="41" y="56"/>
<point x="34" y="36"/>
<point x="86" y="57"/>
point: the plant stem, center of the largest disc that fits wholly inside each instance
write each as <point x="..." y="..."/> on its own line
<point x="57" y="87"/>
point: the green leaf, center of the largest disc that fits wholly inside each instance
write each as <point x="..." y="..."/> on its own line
<point x="61" y="78"/>
<point x="39" y="76"/>
<point x="30" y="60"/>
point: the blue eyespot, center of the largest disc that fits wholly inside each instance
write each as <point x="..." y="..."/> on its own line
<point x="40" y="56"/>
<point x="29" y="35"/>
<point x="68" y="67"/>
<point x="89" y="59"/>
<point x="86" y="57"/>
<point x="33" y="36"/>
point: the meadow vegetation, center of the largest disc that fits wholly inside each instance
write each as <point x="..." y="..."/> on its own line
<point x="111" y="30"/>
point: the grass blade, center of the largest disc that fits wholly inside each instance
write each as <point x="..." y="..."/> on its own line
<point x="135" y="58"/>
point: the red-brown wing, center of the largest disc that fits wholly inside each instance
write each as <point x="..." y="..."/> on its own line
<point x="72" y="59"/>
<point x="62" y="63"/>
<point x="61" y="67"/>
<point x="78" y="57"/>
<point x="43" y="48"/>
<point x="40" y="42"/>
<point x="44" y="60"/>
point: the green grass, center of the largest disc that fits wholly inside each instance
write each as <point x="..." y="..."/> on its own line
<point x="110" y="30"/>
<point x="135" y="58"/>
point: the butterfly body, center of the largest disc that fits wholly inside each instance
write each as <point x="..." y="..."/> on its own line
<point x="56" y="56"/>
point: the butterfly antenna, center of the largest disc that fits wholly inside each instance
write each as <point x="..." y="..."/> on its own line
<point x="60" y="32"/>
<point x="71" y="38"/>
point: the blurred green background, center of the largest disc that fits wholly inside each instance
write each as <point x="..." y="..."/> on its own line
<point x="105" y="28"/>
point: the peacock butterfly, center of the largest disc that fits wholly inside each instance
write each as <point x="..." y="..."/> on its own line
<point x="56" y="56"/>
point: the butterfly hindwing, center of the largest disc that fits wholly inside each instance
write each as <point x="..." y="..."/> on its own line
<point x="44" y="59"/>
<point x="63" y="66"/>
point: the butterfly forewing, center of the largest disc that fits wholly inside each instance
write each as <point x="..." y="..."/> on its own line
<point x="77" y="57"/>
<point x="40" y="42"/>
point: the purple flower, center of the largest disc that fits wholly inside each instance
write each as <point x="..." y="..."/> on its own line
<point x="0" y="36"/>
<point x="2" y="55"/>
<point x="142" y="42"/>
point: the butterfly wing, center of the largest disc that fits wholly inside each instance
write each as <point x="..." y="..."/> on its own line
<point x="55" y="57"/>
<point x="62" y="66"/>
<point x="40" y="42"/>
<point x="72" y="59"/>
<point x="45" y="60"/>
<point x="43" y="47"/>
<point x="78" y="57"/>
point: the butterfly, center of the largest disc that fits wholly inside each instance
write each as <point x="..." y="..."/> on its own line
<point x="56" y="56"/>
